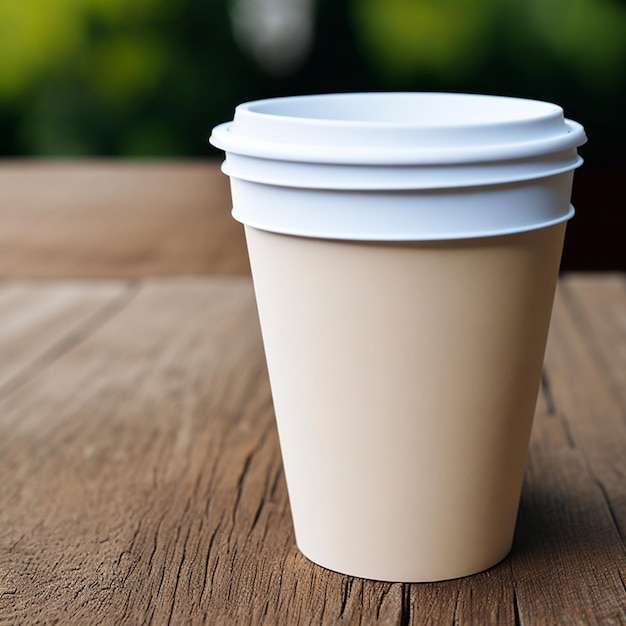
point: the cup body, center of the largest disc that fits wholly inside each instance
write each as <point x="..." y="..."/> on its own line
<point x="404" y="380"/>
<point x="405" y="250"/>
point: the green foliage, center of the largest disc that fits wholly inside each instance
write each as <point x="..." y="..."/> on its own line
<point x="34" y="39"/>
<point x="151" y="77"/>
<point x="404" y="38"/>
<point x="589" y="35"/>
<point x="453" y="39"/>
<point x="111" y="77"/>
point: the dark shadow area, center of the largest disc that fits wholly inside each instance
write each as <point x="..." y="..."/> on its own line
<point x="596" y="237"/>
<point x="562" y="536"/>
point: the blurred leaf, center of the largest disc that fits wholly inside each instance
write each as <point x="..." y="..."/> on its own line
<point x="35" y="36"/>
<point x="63" y="120"/>
<point x="152" y="138"/>
<point x="124" y="67"/>
<point x="148" y="77"/>
<point x="589" y="35"/>
<point x="120" y="12"/>
<point x="405" y="37"/>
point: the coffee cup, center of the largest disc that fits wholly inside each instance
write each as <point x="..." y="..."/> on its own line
<point x="405" y="249"/>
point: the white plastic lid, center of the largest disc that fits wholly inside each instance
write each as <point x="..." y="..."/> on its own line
<point x="397" y="129"/>
<point x="421" y="143"/>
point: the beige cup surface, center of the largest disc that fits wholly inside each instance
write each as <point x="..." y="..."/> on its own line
<point x="404" y="379"/>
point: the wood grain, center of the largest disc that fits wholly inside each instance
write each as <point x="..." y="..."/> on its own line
<point x="95" y="219"/>
<point x="52" y="319"/>
<point x="573" y="516"/>
<point x="141" y="482"/>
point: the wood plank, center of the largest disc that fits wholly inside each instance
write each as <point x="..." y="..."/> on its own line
<point x="95" y="219"/>
<point x="598" y="303"/>
<point x="138" y="465"/>
<point x="146" y="486"/>
<point x="40" y="322"/>
<point x="583" y="391"/>
<point x="569" y="555"/>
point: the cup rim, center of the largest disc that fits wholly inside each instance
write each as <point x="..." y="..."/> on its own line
<point x="256" y="108"/>
<point x="328" y="133"/>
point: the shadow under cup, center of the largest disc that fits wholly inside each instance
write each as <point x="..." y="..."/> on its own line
<point x="404" y="298"/>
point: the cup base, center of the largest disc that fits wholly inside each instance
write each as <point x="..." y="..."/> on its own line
<point x="420" y="574"/>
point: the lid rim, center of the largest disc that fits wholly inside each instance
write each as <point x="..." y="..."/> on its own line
<point x="252" y="109"/>
<point x="222" y="137"/>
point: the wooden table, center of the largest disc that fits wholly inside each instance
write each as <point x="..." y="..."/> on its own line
<point x="140" y="475"/>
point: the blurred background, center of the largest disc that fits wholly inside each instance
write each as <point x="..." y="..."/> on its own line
<point x="150" y="78"/>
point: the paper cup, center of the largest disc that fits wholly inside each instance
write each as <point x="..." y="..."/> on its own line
<point x="404" y="250"/>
